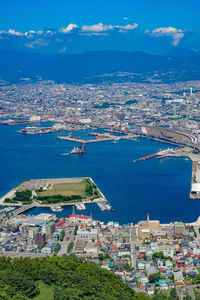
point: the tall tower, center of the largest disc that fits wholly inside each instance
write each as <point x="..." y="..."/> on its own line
<point x="190" y="91"/>
<point x="148" y="219"/>
<point x="73" y="212"/>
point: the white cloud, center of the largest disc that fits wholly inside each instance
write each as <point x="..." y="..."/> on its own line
<point x="100" y="28"/>
<point x="69" y="28"/>
<point x="176" y="34"/>
<point x="128" y="27"/>
<point x="13" y="32"/>
<point x="96" y="28"/>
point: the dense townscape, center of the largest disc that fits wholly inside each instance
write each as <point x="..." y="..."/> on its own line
<point x="171" y="105"/>
<point x="150" y="257"/>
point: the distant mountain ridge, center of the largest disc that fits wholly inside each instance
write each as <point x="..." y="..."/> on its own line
<point x="87" y="66"/>
<point x="183" y="52"/>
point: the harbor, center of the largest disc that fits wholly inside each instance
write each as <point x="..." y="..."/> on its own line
<point x="115" y="174"/>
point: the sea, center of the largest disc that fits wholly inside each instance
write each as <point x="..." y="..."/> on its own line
<point x="159" y="188"/>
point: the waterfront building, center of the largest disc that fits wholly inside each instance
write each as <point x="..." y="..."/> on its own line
<point x="79" y="219"/>
<point x="178" y="229"/>
<point x="50" y="228"/>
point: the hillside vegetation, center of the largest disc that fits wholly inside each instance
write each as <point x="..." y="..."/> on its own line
<point x="61" y="278"/>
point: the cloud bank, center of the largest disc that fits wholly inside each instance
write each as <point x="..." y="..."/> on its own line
<point x="174" y="33"/>
<point x="74" y="38"/>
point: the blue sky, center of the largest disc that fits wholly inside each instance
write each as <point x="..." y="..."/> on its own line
<point x="153" y="26"/>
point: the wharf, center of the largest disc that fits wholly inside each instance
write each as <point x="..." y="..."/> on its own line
<point x="174" y="152"/>
<point x="146" y="157"/>
<point x="100" y="138"/>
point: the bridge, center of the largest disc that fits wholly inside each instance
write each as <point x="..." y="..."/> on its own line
<point x="22" y="209"/>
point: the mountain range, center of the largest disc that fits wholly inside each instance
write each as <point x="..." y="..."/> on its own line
<point x="98" y="66"/>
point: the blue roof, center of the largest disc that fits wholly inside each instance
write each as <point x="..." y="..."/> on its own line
<point x="41" y="223"/>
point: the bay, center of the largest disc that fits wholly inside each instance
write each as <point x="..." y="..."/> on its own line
<point x="158" y="187"/>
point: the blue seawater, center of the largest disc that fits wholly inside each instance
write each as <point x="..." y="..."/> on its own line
<point x="158" y="187"/>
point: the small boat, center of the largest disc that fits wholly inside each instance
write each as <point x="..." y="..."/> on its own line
<point x="57" y="208"/>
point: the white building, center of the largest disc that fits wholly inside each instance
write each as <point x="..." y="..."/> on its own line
<point x="35" y="118"/>
<point x="87" y="235"/>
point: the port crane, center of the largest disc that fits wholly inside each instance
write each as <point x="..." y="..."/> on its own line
<point x="81" y="150"/>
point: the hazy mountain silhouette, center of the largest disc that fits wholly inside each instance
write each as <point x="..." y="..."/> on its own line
<point x="78" y="67"/>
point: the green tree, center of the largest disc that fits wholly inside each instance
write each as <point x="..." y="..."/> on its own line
<point x="75" y="229"/>
<point x="62" y="234"/>
<point x="101" y="257"/>
<point x="173" y="294"/>
<point x="154" y="277"/>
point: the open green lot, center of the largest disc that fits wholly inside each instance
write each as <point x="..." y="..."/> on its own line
<point x="65" y="189"/>
<point x="46" y="291"/>
<point x="48" y="191"/>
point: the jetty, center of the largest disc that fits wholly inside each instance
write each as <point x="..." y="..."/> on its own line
<point x="146" y="157"/>
<point x="161" y="154"/>
<point x="99" y="138"/>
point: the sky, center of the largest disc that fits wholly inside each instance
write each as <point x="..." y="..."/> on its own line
<point x="64" y="26"/>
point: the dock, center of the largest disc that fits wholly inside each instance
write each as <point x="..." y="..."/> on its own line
<point x="146" y="157"/>
<point x="99" y="138"/>
<point x="73" y="139"/>
<point x="164" y="154"/>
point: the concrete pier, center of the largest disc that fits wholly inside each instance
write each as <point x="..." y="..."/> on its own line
<point x="100" y="138"/>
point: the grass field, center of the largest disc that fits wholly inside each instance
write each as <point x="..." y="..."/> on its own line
<point x="46" y="292"/>
<point x="65" y="189"/>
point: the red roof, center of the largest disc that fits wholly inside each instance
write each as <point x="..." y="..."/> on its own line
<point x="142" y="286"/>
<point x="114" y="248"/>
<point x="78" y="216"/>
<point x="188" y="255"/>
<point x="178" y="283"/>
<point x="140" y="255"/>
<point x="58" y="224"/>
<point x="162" y="269"/>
